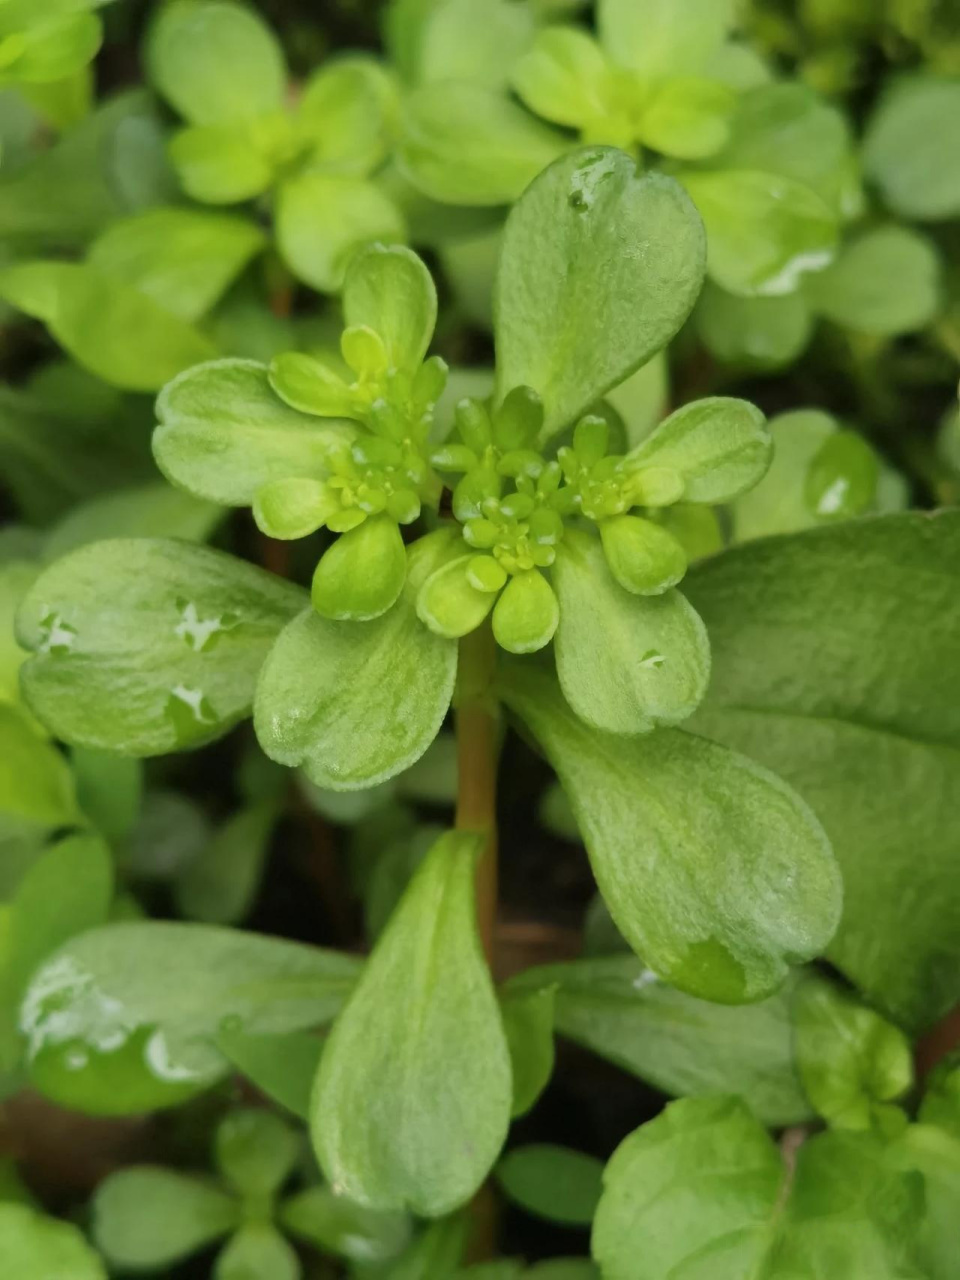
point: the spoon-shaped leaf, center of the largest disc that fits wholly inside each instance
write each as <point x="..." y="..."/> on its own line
<point x="413" y="1098"/>
<point x="713" y="869"/>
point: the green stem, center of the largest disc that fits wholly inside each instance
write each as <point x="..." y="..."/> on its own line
<point x="477" y="751"/>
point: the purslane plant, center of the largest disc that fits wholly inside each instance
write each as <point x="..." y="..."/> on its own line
<point x="561" y="550"/>
<point x="769" y="166"/>
<point x="311" y="153"/>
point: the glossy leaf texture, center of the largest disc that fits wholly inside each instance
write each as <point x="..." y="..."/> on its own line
<point x="354" y="703"/>
<point x="149" y="645"/>
<point x="599" y="268"/>
<point x="123" y="1019"/>
<point x="413" y="1098"/>
<point x="716" y="872"/>
<point x="835" y="663"/>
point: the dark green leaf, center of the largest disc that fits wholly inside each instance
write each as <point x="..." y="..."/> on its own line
<point x="552" y="1182"/>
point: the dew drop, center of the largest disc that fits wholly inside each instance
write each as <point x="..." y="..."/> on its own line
<point x="652" y="660"/>
<point x="587" y="179"/>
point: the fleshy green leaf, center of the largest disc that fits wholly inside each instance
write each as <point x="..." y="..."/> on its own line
<point x="934" y="1153"/>
<point x="67" y="890"/>
<point x="346" y="111"/>
<point x="220" y="885"/>
<point x="912" y="148"/>
<point x="565" y="77"/>
<point x="677" y="1199"/>
<point x="147" y="645"/>
<point x="760" y="332"/>
<point x="626" y="663"/>
<point x="682" y="1046"/>
<point x="389" y="290"/>
<point x="474" y="41"/>
<point x="123" y="1018"/>
<point x="778" y="504"/>
<point x="528" y="1025"/>
<point x="257" y="1252"/>
<point x="215" y="62"/>
<point x="113" y="330"/>
<point x="465" y="144"/>
<point x="344" y="1228"/>
<point x="322" y="219"/>
<point x="354" y="703"/>
<point x="717" y="873"/>
<point x="224" y="433"/>
<point x="361" y="576"/>
<point x="834" y="664"/>
<point x="552" y="1182"/>
<point x="35" y="1247"/>
<point x="887" y="281"/>
<point x="688" y="118"/>
<point x="579" y="311"/>
<point x="221" y="163"/>
<point x="660" y="38"/>
<point x="184" y="259"/>
<point x="148" y="1217"/>
<point x="526" y="614"/>
<point x="412" y="1102"/>
<point x="256" y="1151"/>
<point x="109" y="791"/>
<point x="281" y="1066"/>
<point x="147" y="511"/>
<point x="850" y="1059"/>
<point x="645" y="558"/>
<point x="764" y="231"/>
<point x="719" y="446"/>
<point x="841" y="480"/>
<point x="36" y="786"/>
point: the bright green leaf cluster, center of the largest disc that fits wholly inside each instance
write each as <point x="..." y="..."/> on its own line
<point x="223" y="70"/>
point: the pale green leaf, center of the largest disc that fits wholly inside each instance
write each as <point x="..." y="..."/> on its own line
<point x="887" y="281"/>
<point x="113" y="330"/>
<point x="221" y="163"/>
<point x="223" y="433"/>
<point x="109" y="791"/>
<point x="474" y="41"/>
<point x="528" y="1017"/>
<point x="149" y="1217"/>
<point x="36" y="786"/>
<point x="714" y="870"/>
<point x="626" y="663"/>
<point x="464" y="144"/>
<point x="912" y="148"/>
<point x="661" y="38"/>
<point x="255" y="1151"/>
<point x="688" y="118"/>
<point x="281" y="1066"/>
<point x="702" y="1192"/>
<point x="35" y="1247"/>
<point x="620" y="1010"/>
<point x="389" y="290"/>
<point x="354" y="703"/>
<point x="336" y="1225"/>
<point x="147" y="645"/>
<point x="322" y="219"/>
<point x="835" y="663"/>
<point x="184" y="259"/>
<point x="147" y="511"/>
<point x="849" y="1058"/>
<point x="412" y="1102"/>
<point x="124" y="1018"/>
<point x="756" y="332"/>
<point x="580" y="309"/>
<point x="720" y="447"/>
<point x="257" y="1252"/>
<point x="215" y="61"/>
<point x="764" y="231"/>
<point x="219" y="886"/>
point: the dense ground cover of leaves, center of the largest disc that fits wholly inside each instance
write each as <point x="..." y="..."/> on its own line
<point x="479" y="639"/>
